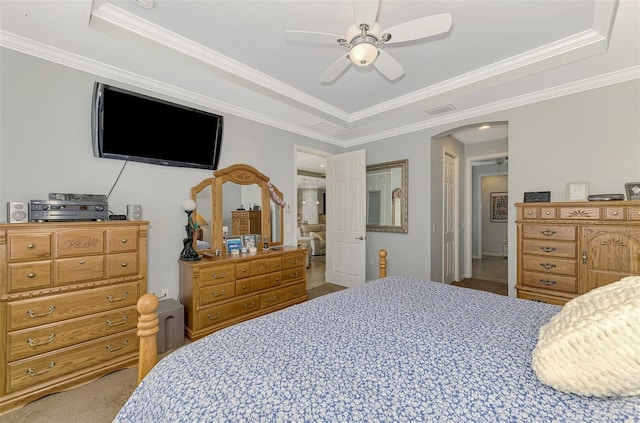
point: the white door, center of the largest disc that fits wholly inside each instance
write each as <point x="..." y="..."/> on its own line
<point x="449" y="248"/>
<point x="346" y="219"/>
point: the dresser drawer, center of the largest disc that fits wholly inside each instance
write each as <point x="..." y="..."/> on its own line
<point x="218" y="314"/>
<point x="30" y="275"/>
<point x="41" y="368"/>
<point x="549" y="265"/>
<point x="218" y="273"/>
<point x="283" y="295"/>
<point x="615" y="213"/>
<point x="218" y="292"/>
<point x="125" y="264"/>
<point x="550" y="248"/>
<point x="40" y="311"/>
<point x="538" y="212"/>
<point x="30" y="342"/>
<point x="290" y="275"/>
<point x="566" y="233"/>
<point x="268" y="265"/>
<point x="580" y="213"/>
<point x="121" y="240"/>
<point x="29" y="246"/>
<point x="634" y="213"/>
<point x="541" y="298"/>
<point x="79" y="269"/>
<point x="294" y="260"/>
<point x="79" y="242"/>
<point x="552" y="282"/>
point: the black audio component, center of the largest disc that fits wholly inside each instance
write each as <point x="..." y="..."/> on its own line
<point x="69" y="211"/>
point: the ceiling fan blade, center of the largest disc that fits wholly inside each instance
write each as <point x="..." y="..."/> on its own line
<point x="336" y="69"/>
<point x="419" y="28"/>
<point x="365" y="11"/>
<point x="388" y="66"/>
<point x="311" y="37"/>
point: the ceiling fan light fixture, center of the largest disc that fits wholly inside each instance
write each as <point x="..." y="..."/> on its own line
<point x="363" y="53"/>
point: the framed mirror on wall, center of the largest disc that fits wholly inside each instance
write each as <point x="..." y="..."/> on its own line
<point x="388" y="197"/>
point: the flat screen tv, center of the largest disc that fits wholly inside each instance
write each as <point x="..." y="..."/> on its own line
<point x="135" y="127"/>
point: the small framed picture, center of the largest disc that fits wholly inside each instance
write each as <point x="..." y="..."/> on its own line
<point x="633" y="190"/>
<point x="233" y="243"/>
<point x="577" y="191"/>
<point x="249" y="241"/>
<point x="499" y="207"/>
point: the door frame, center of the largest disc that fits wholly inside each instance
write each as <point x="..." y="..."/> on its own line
<point x="468" y="201"/>
<point x="456" y="214"/>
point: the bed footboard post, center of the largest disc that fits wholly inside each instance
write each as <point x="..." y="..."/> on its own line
<point x="382" y="263"/>
<point x="147" y="329"/>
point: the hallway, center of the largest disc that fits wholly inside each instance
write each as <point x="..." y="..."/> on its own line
<point x="490" y="268"/>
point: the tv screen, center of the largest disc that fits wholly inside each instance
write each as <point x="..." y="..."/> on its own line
<point x="135" y="127"/>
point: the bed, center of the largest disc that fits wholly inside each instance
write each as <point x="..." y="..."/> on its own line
<point x="394" y="350"/>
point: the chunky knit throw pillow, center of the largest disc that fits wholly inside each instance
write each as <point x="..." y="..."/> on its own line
<point x="592" y="346"/>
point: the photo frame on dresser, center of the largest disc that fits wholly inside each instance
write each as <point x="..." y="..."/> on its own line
<point x="577" y="191"/>
<point x="633" y="190"/>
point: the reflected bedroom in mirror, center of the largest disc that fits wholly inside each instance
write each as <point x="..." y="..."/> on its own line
<point x="387" y="197"/>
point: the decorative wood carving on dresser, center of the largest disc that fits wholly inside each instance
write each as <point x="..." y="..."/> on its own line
<point x="223" y="290"/>
<point x="68" y="294"/>
<point x="567" y="249"/>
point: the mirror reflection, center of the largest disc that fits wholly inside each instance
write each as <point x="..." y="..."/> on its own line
<point x="387" y="197"/>
<point x="238" y="201"/>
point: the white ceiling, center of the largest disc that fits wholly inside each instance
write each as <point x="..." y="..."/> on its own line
<point x="231" y="57"/>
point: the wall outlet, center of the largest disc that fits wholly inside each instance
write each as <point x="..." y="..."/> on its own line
<point x="164" y="292"/>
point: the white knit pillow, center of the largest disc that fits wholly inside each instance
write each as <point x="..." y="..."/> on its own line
<point x="592" y="346"/>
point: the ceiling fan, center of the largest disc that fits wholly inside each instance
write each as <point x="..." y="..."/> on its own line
<point x="364" y="37"/>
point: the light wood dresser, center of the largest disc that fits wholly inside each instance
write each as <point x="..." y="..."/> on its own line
<point x="246" y="222"/>
<point x="221" y="291"/>
<point x="567" y="249"/>
<point x="68" y="294"/>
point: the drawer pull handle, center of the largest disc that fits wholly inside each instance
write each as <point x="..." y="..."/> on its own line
<point x="547" y="282"/>
<point x="529" y="212"/>
<point x="123" y="264"/>
<point x="215" y="293"/>
<point x="548" y="232"/>
<point x="584" y="257"/>
<point x="111" y="324"/>
<point x="294" y="275"/>
<point x="547" y="213"/>
<point x="293" y="261"/>
<point x="247" y="306"/>
<point x="548" y="266"/>
<point x="82" y="262"/>
<point x="111" y="348"/>
<point x="31" y="275"/>
<point x="32" y="372"/>
<point x="218" y="275"/>
<point x="548" y="249"/>
<point x="123" y="240"/>
<point x="271" y="299"/>
<point x="277" y="265"/>
<point x="31" y="246"/>
<point x="34" y="342"/>
<point x="218" y="314"/>
<point x="33" y="314"/>
<point x="111" y="299"/>
<point x="615" y="213"/>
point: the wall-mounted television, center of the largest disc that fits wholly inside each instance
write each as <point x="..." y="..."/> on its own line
<point x="135" y="127"/>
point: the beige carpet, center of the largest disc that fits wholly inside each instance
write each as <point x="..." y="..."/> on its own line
<point x="95" y="402"/>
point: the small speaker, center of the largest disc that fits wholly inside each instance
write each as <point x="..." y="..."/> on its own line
<point x="17" y="212"/>
<point x="134" y="212"/>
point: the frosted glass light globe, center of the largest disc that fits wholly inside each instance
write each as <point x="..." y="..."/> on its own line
<point x="188" y="205"/>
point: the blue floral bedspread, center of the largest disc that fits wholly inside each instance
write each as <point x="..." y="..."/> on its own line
<point x="394" y="350"/>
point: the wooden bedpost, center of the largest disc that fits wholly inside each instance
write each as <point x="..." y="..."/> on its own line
<point x="382" y="263"/>
<point x="147" y="329"/>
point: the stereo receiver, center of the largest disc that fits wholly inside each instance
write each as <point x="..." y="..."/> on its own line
<point x="67" y="210"/>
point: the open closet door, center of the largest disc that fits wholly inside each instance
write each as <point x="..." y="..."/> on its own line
<point x="346" y="219"/>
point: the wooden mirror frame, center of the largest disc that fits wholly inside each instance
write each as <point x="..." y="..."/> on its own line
<point x="396" y="194"/>
<point x="240" y="174"/>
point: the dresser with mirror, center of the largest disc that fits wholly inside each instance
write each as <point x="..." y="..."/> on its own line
<point x="225" y="288"/>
